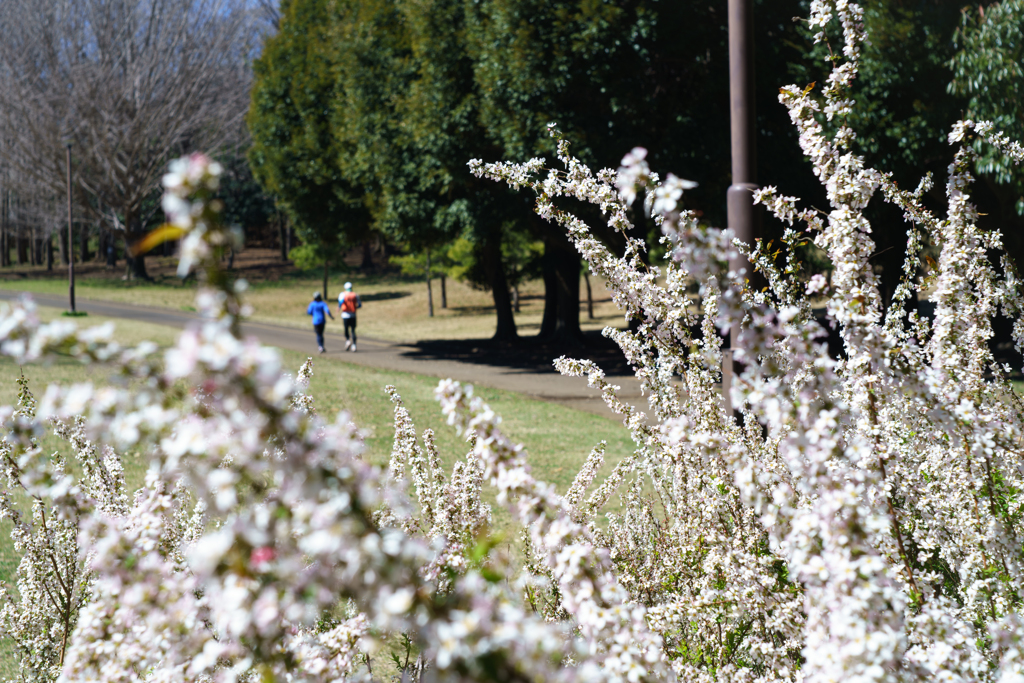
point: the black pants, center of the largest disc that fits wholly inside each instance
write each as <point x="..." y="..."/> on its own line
<point x="319" y="329"/>
<point x="350" y="324"/>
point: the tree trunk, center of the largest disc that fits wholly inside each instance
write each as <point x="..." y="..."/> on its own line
<point x="111" y="250"/>
<point x="506" y="328"/>
<point x="282" y="236"/>
<point x="49" y="253"/>
<point x="590" y="296"/>
<point x="62" y="248"/>
<point x="326" y="266"/>
<point x="367" y="263"/>
<point x="136" y="265"/>
<point x="515" y="298"/>
<point x="561" y="321"/>
<point x="549" y="319"/>
<point x="430" y="290"/>
<point x="133" y="235"/>
<point x="22" y="255"/>
<point x="83" y="240"/>
<point x="444" y="294"/>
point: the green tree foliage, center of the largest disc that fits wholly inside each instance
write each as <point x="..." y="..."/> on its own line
<point x="245" y="202"/>
<point x="611" y="75"/>
<point x="293" y="154"/>
<point x="405" y="123"/>
<point x="988" y="70"/>
<point x="371" y="108"/>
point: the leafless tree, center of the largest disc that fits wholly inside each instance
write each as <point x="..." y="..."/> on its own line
<point x="268" y="13"/>
<point x="130" y="84"/>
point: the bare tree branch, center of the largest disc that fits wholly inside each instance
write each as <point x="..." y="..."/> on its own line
<point x="130" y="83"/>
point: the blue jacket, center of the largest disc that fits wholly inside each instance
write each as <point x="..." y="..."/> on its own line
<point x="319" y="311"/>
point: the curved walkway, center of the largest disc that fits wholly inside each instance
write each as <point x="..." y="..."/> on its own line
<point x="535" y="382"/>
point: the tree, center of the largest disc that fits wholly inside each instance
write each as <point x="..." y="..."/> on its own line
<point x="615" y="75"/>
<point x="522" y="259"/>
<point x="293" y="155"/>
<point x="429" y="263"/>
<point x="988" y="70"/>
<point x="405" y="125"/>
<point x="376" y="149"/>
<point x="246" y="204"/>
<point x="574" y="63"/>
<point x="130" y="83"/>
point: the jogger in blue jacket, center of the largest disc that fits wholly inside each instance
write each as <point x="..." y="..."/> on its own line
<point x="317" y="308"/>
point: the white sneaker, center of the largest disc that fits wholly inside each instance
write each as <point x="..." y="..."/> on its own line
<point x="353" y="348"/>
<point x="348" y="344"/>
<point x="322" y="350"/>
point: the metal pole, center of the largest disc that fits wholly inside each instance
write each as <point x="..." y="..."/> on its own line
<point x="71" y="243"/>
<point x="740" y="212"/>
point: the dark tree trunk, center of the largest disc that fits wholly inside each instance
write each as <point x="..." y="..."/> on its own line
<point x="367" y="263"/>
<point x="444" y="294"/>
<point x="111" y="250"/>
<point x="326" y="267"/>
<point x="549" y="319"/>
<point x="22" y="251"/>
<point x="506" y="329"/>
<point x="49" y="252"/>
<point x="133" y="235"/>
<point x="430" y="290"/>
<point x="561" y="321"/>
<point x="83" y="241"/>
<point x="62" y="245"/>
<point x="590" y="296"/>
<point x="282" y="236"/>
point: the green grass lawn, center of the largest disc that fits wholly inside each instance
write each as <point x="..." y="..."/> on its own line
<point x="558" y="439"/>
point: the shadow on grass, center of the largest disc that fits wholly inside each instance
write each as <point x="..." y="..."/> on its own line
<point x="384" y="296"/>
<point x="529" y="354"/>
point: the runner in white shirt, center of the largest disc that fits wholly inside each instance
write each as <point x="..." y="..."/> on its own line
<point x="348" y="302"/>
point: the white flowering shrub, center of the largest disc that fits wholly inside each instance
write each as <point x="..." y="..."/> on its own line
<point x="861" y="522"/>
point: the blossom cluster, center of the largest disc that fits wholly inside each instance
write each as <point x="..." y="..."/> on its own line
<point x="858" y="517"/>
<point x="861" y="518"/>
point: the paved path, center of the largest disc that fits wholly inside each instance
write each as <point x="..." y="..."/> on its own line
<point x="546" y="385"/>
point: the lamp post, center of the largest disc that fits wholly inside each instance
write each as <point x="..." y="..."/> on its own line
<point x="740" y="210"/>
<point x="71" y="243"/>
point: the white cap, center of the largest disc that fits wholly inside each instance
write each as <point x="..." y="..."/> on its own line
<point x="348" y="286"/>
